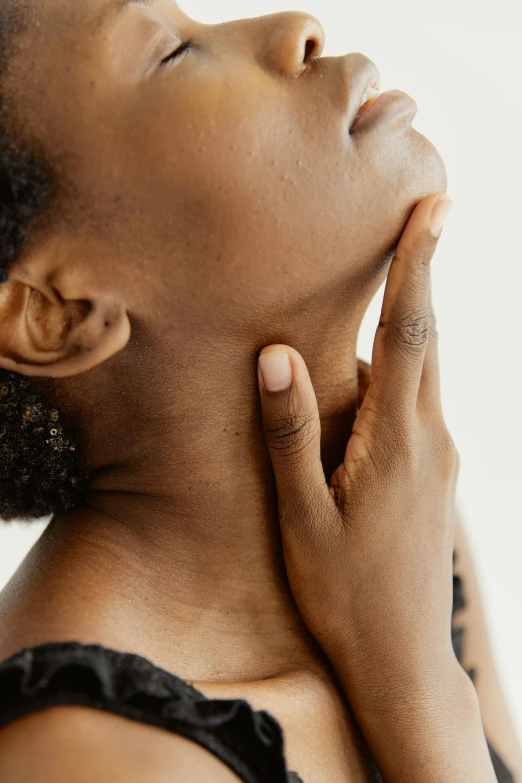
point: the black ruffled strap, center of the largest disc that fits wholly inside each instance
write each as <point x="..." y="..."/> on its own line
<point x="250" y="742"/>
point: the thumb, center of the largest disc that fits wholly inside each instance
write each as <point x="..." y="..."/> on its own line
<point x="293" y="435"/>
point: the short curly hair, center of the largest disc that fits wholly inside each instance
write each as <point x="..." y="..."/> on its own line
<point x="42" y="459"/>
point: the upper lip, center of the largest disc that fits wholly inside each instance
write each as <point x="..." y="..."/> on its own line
<point x="358" y="73"/>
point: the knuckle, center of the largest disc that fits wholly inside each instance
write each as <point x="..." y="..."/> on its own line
<point x="447" y="451"/>
<point x="417" y="257"/>
<point x="289" y="435"/>
<point x="423" y="256"/>
<point x="411" y="332"/>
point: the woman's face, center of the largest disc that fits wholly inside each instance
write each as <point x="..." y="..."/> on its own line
<point x="224" y="177"/>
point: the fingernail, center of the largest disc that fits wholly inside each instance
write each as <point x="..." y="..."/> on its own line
<point x="276" y="371"/>
<point x="439" y="214"/>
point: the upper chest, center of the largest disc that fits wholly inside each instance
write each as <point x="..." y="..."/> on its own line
<point x="321" y="739"/>
<point x="322" y="742"/>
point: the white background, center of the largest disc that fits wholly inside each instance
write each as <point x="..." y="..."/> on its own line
<point x="461" y="61"/>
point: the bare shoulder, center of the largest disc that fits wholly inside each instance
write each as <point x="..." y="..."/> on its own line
<point x="74" y="744"/>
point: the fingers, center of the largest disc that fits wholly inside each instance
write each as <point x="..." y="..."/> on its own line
<point x="364" y="371"/>
<point x="429" y="399"/>
<point x="402" y="336"/>
<point x="292" y="430"/>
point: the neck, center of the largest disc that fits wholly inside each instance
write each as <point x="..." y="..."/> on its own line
<point x="181" y="542"/>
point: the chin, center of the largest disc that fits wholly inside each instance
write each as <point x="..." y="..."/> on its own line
<point x="428" y="171"/>
<point x="415" y="171"/>
<point x="421" y="172"/>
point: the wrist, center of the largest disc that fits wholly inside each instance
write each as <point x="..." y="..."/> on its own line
<point x="430" y="725"/>
<point x="429" y="685"/>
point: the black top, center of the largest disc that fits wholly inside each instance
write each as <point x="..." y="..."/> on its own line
<point x="248" y="741"/>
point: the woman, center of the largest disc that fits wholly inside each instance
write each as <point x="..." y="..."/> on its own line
<point x="181" y="197"/>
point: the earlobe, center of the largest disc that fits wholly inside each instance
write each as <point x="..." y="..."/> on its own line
<point x="47" y="336"/>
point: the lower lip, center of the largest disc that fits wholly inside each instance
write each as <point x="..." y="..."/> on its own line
<point x="390" y="105"/>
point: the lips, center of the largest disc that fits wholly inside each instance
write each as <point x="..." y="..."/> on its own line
<point x="367" y="99"/>
<point x="362" y="81"/>
<point x="366" y="105"/>
<point x="392" y="106"/>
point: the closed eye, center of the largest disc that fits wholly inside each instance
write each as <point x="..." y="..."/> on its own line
<point x="176" y="53"/>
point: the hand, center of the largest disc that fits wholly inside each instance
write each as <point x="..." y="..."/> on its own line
<point x="369" y="554"/>
<point x="364" y="371"/>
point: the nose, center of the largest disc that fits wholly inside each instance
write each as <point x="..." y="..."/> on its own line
<point x="293" y="39"/>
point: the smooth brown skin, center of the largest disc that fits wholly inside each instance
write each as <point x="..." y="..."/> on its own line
<point x="214" y="208"/>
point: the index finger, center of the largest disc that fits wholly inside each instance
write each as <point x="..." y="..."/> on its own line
<point x="429" y="399"/>
<point x="402" y="335"/>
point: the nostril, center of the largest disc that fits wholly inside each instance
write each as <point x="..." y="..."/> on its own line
<point x="314" y="34"/>
<point x="295" y="40"/>
<point x="310" y="48"/>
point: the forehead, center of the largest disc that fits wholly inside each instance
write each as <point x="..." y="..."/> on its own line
<point x="59" y="51"/>
<point x="94" y="14"/>
<point x="112" y="9"/>
<point x="58" y="31"/>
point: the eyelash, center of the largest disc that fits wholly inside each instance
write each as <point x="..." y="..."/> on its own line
<point x="175" y="53"/>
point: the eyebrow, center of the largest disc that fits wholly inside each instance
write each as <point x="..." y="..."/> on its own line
<point x="113" y="10"/>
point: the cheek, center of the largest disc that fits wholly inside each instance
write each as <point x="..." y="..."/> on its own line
<point x="272" y="174"/>
<point x="253" y="184"/>
<point x="238" y="165"/>
<point x="235" y="156"/>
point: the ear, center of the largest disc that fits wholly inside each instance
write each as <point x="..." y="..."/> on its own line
<point x="56" y="318"/>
